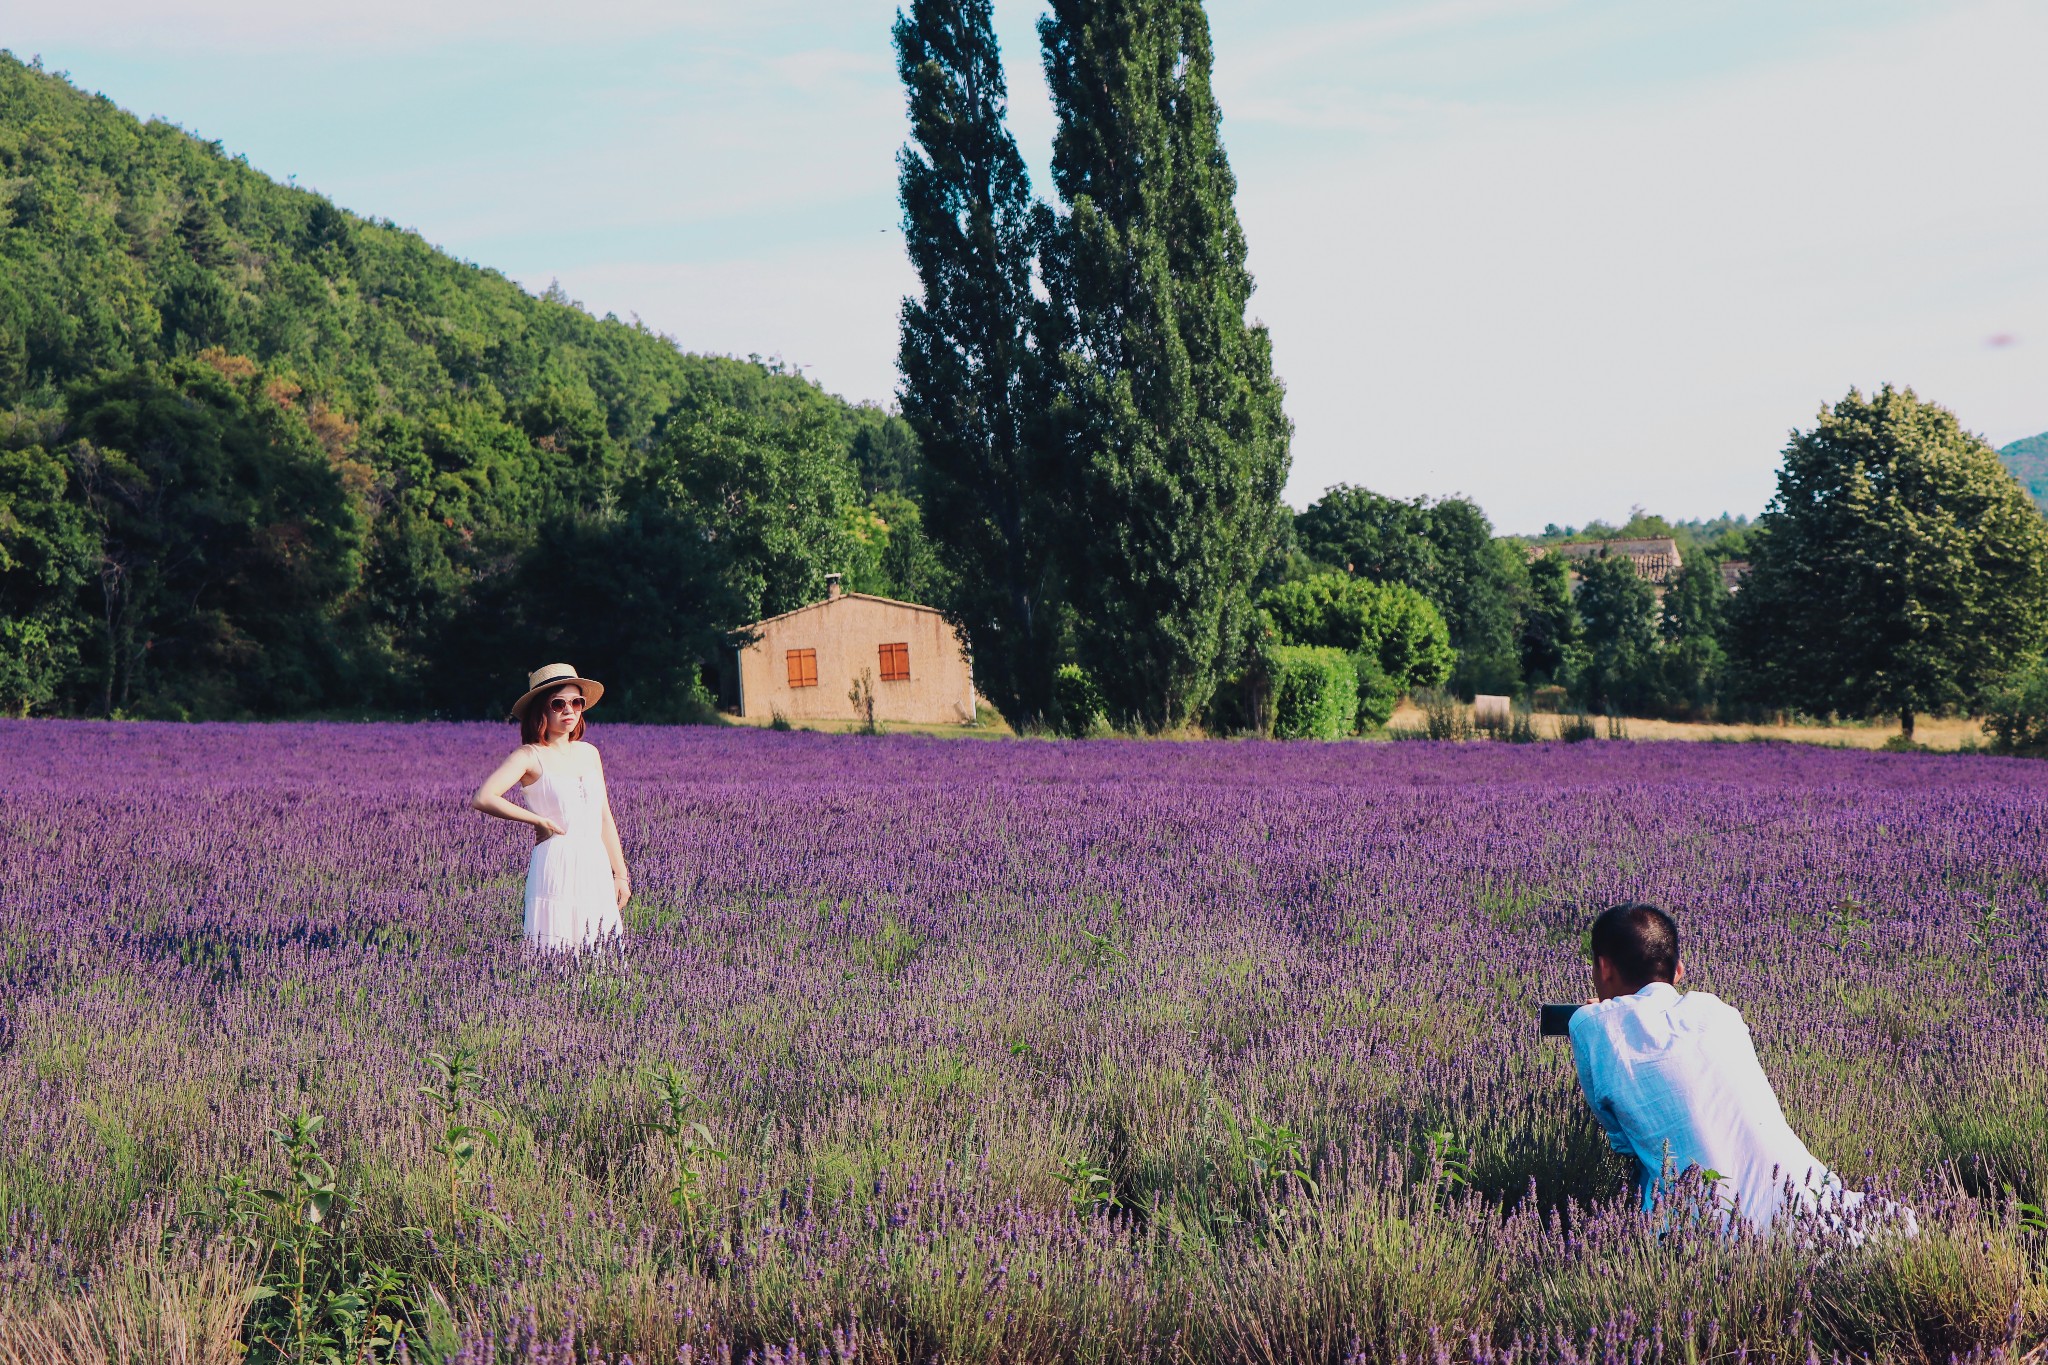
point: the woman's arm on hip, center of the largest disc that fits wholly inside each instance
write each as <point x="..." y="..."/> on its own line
<point x="489" y="798"/>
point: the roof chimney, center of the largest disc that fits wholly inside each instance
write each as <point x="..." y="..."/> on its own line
<point x="831" y="587"/>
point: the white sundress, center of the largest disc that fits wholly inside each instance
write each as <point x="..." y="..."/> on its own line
<point x="569" y="897"/>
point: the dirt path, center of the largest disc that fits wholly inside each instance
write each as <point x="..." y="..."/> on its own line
<point x="1932" y="733"/>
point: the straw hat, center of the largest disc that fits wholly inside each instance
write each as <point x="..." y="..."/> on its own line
<point x="549" y="676"/>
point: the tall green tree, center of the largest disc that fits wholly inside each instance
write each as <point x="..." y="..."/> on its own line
<point x="1619" y="612"/>
<point x="1170" y="435"/>
<point x="1691" y="623"/>
<point x="965" y="352"/>
<point x="1552" y="639"/>
<point x="1899" y="569"/>
<point x="1480" y="586"/>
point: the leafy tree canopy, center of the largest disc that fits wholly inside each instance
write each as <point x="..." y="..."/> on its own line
<point x="1618" y="612"/>
<point x="1692" y="622"/>
<point x="1900" y="568"/>
<point x="1552" y="639"/>
<point x="777" y="499"/>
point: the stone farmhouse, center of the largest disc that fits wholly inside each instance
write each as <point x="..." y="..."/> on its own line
<point x="803" y="663"/>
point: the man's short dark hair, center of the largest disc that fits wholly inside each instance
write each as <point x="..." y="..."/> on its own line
<point x="1639" y="941"/>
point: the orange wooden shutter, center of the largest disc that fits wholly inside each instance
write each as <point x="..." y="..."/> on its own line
<point x="896" y="662"/>
<point x="803" y="667"/>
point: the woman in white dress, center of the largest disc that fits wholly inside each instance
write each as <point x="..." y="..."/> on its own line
<point x="576" y="883"/>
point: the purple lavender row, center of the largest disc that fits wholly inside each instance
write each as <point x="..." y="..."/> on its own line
<point x="990" y="1035"/>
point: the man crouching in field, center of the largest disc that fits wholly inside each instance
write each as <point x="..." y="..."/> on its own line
<point x="1675" y="1081"/>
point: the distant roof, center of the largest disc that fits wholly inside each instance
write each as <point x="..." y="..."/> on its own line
<point x="1655" y="558"/>
<point x="843" y="597"/>
<point x="1587" y="549"/>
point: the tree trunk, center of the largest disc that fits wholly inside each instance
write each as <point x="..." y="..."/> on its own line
<point x="1906" y="726"/>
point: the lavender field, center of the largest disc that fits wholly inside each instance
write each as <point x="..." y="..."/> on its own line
<point x="929" y="1050"/>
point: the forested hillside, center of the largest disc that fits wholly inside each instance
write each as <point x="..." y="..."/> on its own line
<point x="2028" y="461"/>
<point x="261" y="455"/>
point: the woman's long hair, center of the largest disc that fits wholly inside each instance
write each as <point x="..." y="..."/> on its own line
<point x="533" y="721"/>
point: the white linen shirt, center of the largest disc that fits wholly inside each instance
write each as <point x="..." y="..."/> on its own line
<point x="1663" y="1068"/>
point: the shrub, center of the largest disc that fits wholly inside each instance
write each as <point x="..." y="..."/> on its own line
<point x="1576" y="728"/>
<point x="1522" y="726"/>
<point x="1378" y="693"/>
<point x="1316" y="694"/>
<point x="1391" y="621"/>
<point x="861" y="696"/>
<point x="1444" y="715"/>
<point x="33" y="658"/>
<point x="2017" y="716"/>
<point x="1077" y="702"/>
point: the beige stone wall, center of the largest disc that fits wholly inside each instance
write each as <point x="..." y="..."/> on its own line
<point x="848" y="633"/>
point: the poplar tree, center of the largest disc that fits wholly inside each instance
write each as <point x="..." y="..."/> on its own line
<point x="965" y="353"/>
<point x="1170" y="439"/>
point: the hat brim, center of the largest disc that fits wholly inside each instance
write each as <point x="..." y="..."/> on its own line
<point x="593" y="692"/>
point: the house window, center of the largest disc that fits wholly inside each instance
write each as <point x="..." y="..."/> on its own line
<point x="803" y="668"/>
<point x="896" y="663"/>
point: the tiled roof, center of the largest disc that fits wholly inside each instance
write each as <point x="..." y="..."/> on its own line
<point x="1655" y="558"/>
<point x="843" y="597"/>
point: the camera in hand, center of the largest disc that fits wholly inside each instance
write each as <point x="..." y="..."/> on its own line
<point x="1556" y="1020"/>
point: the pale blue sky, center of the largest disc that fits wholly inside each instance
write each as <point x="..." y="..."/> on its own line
<point x="1564" y="256"/>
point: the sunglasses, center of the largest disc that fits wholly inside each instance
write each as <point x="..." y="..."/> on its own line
<point x="558" y="705"/>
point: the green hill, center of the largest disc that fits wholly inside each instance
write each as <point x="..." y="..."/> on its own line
<point x="260" y="454"/>
<point x="2028" y="461"/>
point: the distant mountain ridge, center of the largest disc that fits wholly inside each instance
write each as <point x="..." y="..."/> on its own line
<point x="2028" y="461"/>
